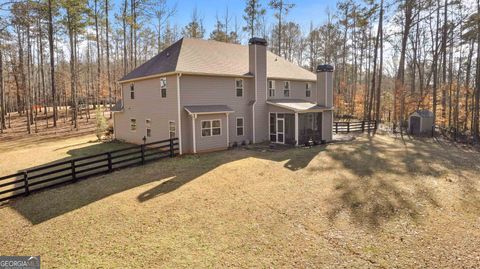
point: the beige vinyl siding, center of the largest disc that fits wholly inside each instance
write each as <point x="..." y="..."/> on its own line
<point x="214" y="142"/>
<point x="297" y="90"/>
<point x="205" y="90"/>
<point x="148" y="104"/>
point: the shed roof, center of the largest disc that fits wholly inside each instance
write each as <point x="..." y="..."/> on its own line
<point x="297" y="105"/>
<point x="198" y="56"/>
<point x="424" y="113"/>
<point x="208" y="109"/>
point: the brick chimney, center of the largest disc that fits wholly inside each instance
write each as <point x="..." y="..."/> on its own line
<point x="325" y="85"/>
<point x="257" y="59"/>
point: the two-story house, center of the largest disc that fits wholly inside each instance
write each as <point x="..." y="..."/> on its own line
<point x="212" y="94"/>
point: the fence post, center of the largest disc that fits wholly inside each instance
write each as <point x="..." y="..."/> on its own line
<point x="348" y="127"/>
<point x="25" y="182"/>
<point x="109" y="159"/>
<point x="74" y="175"/>
<point x="363" y="126"/>
<point x="171" y="148"/>
<point x="336" y="127"/>
<point x="142" y="150"/>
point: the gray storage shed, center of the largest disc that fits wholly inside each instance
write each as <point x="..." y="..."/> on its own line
<point x="420" y="122"/>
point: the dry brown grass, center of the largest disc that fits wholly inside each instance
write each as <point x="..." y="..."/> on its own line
<point x="372" y="202"/>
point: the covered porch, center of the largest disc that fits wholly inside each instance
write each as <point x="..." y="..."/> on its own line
<point x="298" y="122"/>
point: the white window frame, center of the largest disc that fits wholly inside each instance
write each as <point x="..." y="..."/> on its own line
<point x="148" y="126"/>
<point x="242" y="126"/>
<point x="170" y="129"/>
<point x="308" y="88"/>
<point x="271" y="90"/>
<point x="162" y="88"/>
<point x="286" y="89"/>
<point x="132" y="91"/>
<point x="210" y="128"/>
<point x="133" y="130"/>
<point x="239" y="88"/>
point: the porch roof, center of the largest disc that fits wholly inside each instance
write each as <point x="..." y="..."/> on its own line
<point x="297" y="105"/>
<point x="208" y="109"/>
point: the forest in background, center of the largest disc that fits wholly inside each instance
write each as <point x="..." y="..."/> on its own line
<point x="391" y="57"/>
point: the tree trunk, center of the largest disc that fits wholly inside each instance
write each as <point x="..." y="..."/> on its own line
<point x="108" y="59"/>
<point x="52" y="63"/>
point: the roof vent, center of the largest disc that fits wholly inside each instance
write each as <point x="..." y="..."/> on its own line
<point x="168" y="54"/>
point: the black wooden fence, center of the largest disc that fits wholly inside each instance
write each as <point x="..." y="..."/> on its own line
<point x="354" y="126"/>
<point x="70" y="171"/>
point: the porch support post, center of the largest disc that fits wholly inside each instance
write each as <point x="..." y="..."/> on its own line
<point x="194" y="135"/>
<point x="228" y="131"/>
<point x="296" y="128"/>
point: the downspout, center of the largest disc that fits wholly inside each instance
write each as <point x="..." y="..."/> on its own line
<point x="255" y="101"/>
<point x="180" y="145"/>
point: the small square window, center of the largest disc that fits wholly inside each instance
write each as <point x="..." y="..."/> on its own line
<point x="211" y="127"/>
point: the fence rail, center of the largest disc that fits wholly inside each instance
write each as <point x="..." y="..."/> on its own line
<point x="354" y="126"/>
<point x="69" y="171"/>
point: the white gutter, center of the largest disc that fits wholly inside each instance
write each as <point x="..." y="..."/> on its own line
<point x="180" y="146"/>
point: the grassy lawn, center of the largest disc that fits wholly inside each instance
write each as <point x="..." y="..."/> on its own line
<point x="371" y="202"/>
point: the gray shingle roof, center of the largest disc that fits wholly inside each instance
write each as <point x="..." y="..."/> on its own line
<point x="424" y="113"/>
<point x="208" y="109"/>
<point x="212" y="57"/>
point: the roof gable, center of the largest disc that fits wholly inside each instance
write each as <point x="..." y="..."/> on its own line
<point x="164" y="62"/>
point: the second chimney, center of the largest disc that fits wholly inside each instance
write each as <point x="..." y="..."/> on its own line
<point x="325" y="85"/>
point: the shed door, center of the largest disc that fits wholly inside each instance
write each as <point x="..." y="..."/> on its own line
<point x="414" y="125"/>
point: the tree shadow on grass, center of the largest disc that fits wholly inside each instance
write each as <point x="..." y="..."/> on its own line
<point x="384" y="180"/>
<point x="171" y="173"/>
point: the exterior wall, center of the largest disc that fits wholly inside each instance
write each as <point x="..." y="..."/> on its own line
<point x="209" y="143"/>
<point x="297" y="90"/>
<point x="204" y="90"/>
<point x="148" y="104"/>
<point x="327" y="125"/>
<point x="426" y="125"/>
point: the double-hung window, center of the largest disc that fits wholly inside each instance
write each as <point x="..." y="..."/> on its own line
<point x="211" y="128"/>
<point x="240" y="126"/>
<point x="132" y="91"/>
<point x="172" y="129"/>
<point x="133" y="124"/>
<point x="308" y="89"/>
<point x="239" y="87"/>
<point x="148" y="128"/>
<point x="271" y="88"/>
<point x="163" y="87"/>
<point x="286" y="89"/>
